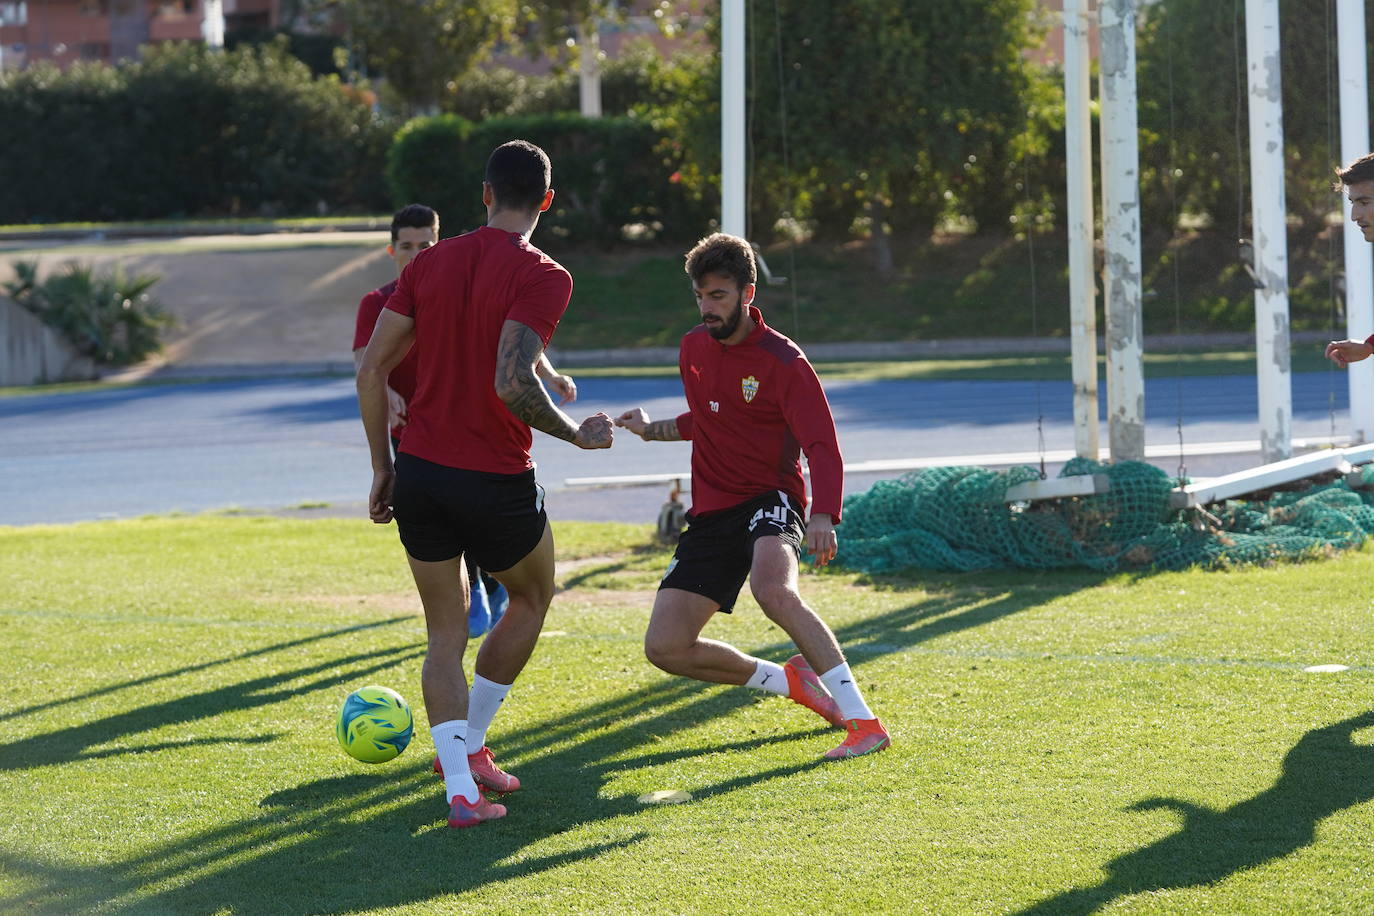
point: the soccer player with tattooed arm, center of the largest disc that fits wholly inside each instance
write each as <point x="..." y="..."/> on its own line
<point x="754" y="405"/>
<point x="479" y="310"/>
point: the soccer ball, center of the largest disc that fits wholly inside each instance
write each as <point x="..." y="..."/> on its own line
<point x="374" y="725"/>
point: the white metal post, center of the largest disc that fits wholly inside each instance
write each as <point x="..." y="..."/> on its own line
<point x="1359" y="260"/>
<point x="1268" y="209"/>
<point x="1121" y="231"/>
<point x="732" y="44"/>
<point x="589" y="69"/>
<point x="1079" y="173"/>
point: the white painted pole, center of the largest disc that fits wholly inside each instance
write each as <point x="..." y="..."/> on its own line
<point x="1121" y="231"/>
<point x="1268" y="210"/>
<point x="212" y="24"/>
<point x="1078" y="139"/>
<point x="732" y="44"/>
<point x="1359" y="257"/>
<point x="589" y="69"/>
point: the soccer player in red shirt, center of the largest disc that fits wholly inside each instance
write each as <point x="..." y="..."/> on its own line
<point x="754" y="405"/>
<point x="479" y="309"/>
<point x="414" y="228"/>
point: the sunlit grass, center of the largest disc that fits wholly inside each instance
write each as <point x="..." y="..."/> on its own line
<point x="1063" y="743"/>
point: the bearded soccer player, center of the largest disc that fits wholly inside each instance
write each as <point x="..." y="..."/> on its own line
<point x="754" y="405"/>
<point x="1357" y="181"/>
<point x="479" y="309"/>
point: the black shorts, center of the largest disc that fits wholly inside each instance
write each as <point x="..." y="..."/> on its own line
<point x="716" y="551"/>
<point x="496" y="519"/>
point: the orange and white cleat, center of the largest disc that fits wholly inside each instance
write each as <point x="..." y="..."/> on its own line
<point x="805" y="688"/>
<point x="865" y="736"/>
<point x="488" y="775"/>
<point x="463" y="813"/>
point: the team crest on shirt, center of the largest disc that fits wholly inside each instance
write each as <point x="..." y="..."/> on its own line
<point x="750" y="387"/>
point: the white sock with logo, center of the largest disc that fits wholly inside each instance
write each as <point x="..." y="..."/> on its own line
<point x="840" y="682"/>
<point x="769" y="676"/>
<point x="450" y="741"/>
<point x="484" y="700"/>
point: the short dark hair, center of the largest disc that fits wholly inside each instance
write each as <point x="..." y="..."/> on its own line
<point x="720" y="253"/>
<point x="1361" y="170"/>
<point x="519" y="174"/>
<point x="414" y="216"/>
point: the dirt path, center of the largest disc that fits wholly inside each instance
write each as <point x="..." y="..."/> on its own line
<point x="283" y="299"/>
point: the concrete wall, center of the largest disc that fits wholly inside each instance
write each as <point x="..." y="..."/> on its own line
<point x="31" y="352"/>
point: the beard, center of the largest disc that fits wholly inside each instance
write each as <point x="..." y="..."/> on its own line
<point x="727" y="325"/>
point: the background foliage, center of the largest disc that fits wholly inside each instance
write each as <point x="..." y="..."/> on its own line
<point x="186" y="132"/>
<point x="609" y="173"/>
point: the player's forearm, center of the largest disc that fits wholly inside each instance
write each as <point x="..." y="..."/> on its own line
<point x="518" y="386"/>
<point x="373" y="408"/>
<point x="661" y="431"/>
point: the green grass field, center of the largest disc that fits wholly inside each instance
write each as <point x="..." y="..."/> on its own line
<point x="1063" y="743"/>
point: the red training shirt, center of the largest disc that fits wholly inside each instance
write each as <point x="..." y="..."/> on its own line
<point x="753" y="408"/>
<point x="460" y="292"/>
<point x="402" y="378"/>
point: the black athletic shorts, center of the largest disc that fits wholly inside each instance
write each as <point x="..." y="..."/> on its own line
<point x="496" y="519"/>
<point x="716" y="551"/>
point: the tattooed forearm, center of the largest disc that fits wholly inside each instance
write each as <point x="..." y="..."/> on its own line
<point x="519" y="387"/>
<point x="661" y="431"/>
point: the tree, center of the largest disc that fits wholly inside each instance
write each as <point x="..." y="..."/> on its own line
<point x="421" y="46"/>
<point x="887" y="104"/>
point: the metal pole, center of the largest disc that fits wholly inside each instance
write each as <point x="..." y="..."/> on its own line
<point x="1121" y="231"/>
<point x="589" y="68"/>
<point x="1078" y="138"/>
<point x="1359" y="260"/>
<point x="732" y="202"/>
<point x="1268" y="209"/>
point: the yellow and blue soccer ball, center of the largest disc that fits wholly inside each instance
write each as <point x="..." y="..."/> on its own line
<point x="375" y="724"/>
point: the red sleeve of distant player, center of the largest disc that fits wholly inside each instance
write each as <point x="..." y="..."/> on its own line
<point x="542" y="300"/>
<point x="808" y="416"/>
<point x="402" y="300"/>
<point x="368" y="310"/>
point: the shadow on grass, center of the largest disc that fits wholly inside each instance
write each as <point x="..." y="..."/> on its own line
<point x="202" y="666"/>
<point x="76" y="742"/>
<point x="1325" y="772"/>
<point x="306" y="845"/>
<point x="312" y="846"/>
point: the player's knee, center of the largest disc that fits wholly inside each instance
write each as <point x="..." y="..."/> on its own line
<point x="779" y="602"/>
<point x="661" y="653"/>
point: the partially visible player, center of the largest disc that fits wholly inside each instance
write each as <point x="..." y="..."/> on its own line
<point x="413" y="229"/>
<point x="1357" y="180"/>
<point x="480" y="310"/>
<point x="754" y="406"/>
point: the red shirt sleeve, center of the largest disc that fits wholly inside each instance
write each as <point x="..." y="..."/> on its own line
<point x="368" y="311"/>
<point x="402" y="300"/>
<point x="542" y="300"/>
<point x="809" y="418"/>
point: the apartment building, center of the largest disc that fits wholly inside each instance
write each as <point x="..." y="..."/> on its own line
<point x="65" y="31"/>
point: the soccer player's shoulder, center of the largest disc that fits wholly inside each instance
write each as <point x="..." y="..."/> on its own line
<point x="780" y="347"/>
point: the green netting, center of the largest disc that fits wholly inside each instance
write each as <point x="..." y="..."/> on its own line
<point x="957" y="518"/>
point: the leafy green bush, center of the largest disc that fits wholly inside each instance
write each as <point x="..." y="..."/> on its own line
<point x="109" y="317"/>
<point x="186" y="131"/>
<point x="608" y="174"/>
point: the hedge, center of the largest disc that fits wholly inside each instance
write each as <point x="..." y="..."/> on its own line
<point x="609" y="175"/>
<point x="186" y="131"/>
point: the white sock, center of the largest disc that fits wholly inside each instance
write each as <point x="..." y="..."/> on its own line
<point x="484" y="700"/>
<point x="450" y="742"/>
<point x="769" y="676"/>
<point x="840" y="682"/>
